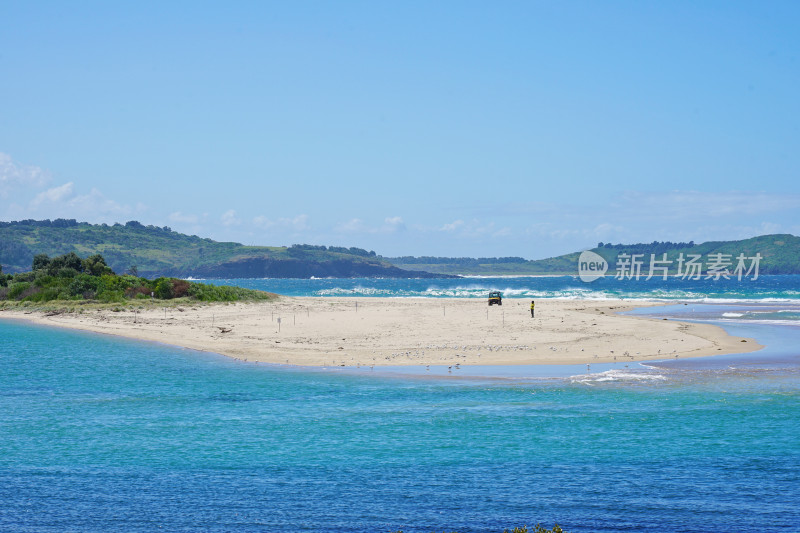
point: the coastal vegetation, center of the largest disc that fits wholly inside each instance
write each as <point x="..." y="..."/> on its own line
<point x="70" y="278"/>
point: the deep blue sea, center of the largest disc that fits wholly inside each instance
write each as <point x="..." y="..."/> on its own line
<point x="769" y="288"/>
<point x="100" y="433"/>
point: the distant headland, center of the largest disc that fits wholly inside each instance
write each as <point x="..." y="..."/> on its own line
<point x="153" y="251"/>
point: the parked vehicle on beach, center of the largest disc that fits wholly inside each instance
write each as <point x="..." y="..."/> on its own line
<point x="495" y="297"/>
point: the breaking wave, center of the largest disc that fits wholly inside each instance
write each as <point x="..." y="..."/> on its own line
<point x="617" y="376"/>
<point x="767" y="289"/>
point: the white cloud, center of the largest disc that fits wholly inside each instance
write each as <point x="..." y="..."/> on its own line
<point x="298" y="223"/>
<point x="727" y="232"/>
<point x="63" y="202"/>
<point x="53" y="195"/>
<point x="229" y="218"/>
<point x="14" y="174"/>
<point x="356" y="225"/>
<point x="697" y="204"/>
<point x="604" y="229"/>
<point x="392" y="224"/>
<point x="475" y="229"/>
<point x="97" y="202"/>
<point x="186" y="218"/>
<point x="453" y="226"/>
<point x="558" y="231"/>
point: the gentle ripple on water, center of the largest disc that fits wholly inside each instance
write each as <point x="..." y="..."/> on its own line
<point x="104" y="434"/>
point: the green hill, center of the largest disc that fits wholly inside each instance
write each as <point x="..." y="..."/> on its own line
<point x="153" y="251"/>
<point x="780" y="255"/>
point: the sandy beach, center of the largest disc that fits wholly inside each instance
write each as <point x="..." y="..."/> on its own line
<point x="409" y="331"/>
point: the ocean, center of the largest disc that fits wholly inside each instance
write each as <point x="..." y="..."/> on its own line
<point x="765" y="288"/>
<point x="99" y="433"/>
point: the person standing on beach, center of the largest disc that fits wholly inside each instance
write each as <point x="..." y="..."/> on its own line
<point x="533" y="305"/>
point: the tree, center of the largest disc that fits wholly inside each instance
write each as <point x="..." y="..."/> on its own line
<point x="70" y="260"/>
<point x="41" y="261"/>
<point x="95" y="265"/>
<point x="73" y="260"/>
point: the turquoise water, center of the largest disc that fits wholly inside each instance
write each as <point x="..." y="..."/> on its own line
<point x="765" y="288"/>
<point x="106" y="434"/>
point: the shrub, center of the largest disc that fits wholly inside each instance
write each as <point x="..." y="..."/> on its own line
<point x="211" y="293"/>
<point x="180" y="288"/>
<point x="25" y="276"/>
<point x="29" y="294"/>
<point x="40" y="295"/>
<point x="163" y="288"/>
<point x="83" y="284"/>
<point x="63" y="294"/>
<point x="67" y="272"/>
<point x="139" y="291"/>
<point x="112" y="282"/>
<point x="43" y="280"/>
<point x="215" y="293"/>
<point x="111" y="296"/>
<point x="17" y="289"/>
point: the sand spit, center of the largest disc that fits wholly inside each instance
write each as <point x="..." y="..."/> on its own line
<point x="409" y="331"/>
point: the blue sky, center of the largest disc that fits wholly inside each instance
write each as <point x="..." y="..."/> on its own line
<point x="410" y="128"/>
